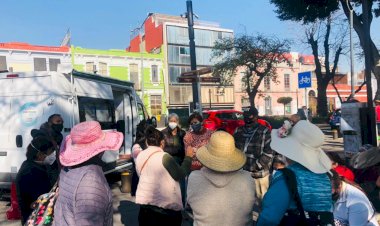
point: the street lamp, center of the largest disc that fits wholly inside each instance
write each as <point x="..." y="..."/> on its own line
<point x="351" y="49"/>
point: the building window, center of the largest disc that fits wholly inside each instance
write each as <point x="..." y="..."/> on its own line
<point x="267" y="83"/>
<point x="40" y="64"/>
<point x="175" y="72"/>
<point x="90" y="67"/>
<point x="3" y="63"/>
<point x="155" y="74"/>
<point x="103" y="68"/>
<point x="287" y="81"/>
<point x="53" y="64"/>
<point x="134" y="75"/>
<point x="155" y="104"/>
<point x="268" y="105"/>
<point x="288" y="108"/>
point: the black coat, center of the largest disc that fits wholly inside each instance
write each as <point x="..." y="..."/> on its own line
<point x="174" y="144"/>
<point x="32" y="181"/>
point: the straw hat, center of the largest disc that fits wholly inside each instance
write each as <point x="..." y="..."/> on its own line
<point x="220" y="154"/>
<point x="87" y="140"/>
<point x="303" y="145"/>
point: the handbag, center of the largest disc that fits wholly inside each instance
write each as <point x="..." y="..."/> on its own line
<point x="43" y="213"/>
<point x="300" y="217"/>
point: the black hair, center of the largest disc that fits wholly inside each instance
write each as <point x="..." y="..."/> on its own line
<point x="140" y="134"/>
<point x="252" y="111"/>
<point x="50" y="119"/>
<point x="334" y="157"/>
<point x="39" y="144"/>
<point x="336" y="181"/>
<point x="153" y="136"/>
<point x="195" y="115"/>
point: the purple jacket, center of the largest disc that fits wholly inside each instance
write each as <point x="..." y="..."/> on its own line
<point x="84" y="198"/>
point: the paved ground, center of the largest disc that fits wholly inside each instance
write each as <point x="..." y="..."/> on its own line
<point x="330" y="143"/>
<point x="126" y="211"/>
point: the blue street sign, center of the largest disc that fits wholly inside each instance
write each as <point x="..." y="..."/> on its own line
<point x="304" y="79"/>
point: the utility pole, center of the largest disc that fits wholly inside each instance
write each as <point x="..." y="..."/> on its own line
<point x="351" y="49"/>
<point x="372" y="139"/>
<point x="193" y="61"/>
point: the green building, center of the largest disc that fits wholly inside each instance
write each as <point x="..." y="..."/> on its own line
<point x="128" y="66"/>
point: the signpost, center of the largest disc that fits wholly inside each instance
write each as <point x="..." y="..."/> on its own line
<point x="193" y="77"/>
<point x="304" y="82"/>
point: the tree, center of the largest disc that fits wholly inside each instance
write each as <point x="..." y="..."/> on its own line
<point x="300" y="11"/>
<point x="284" y="101"/>
<point x="327" y="45"/>
<point x="257" y="56"/>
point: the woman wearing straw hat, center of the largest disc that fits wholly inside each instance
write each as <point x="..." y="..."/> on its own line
<point x="309" y="165"/>
<point x="84" y="195"/>
<point x="220" y="193"/>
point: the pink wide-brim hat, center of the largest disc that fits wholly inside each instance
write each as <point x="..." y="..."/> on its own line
<point x="87" y="140"/>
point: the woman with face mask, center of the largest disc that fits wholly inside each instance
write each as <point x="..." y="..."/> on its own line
<point x="196" y="137"/>
<point x="33" y="177"/>
<point x="174" y="139"/>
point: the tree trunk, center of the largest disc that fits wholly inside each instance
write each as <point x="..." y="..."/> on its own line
<point x="359" y="28"/>
<point x="252" y="96"/>
<point x="284" y="109"/>
<point x="322" y="98"/>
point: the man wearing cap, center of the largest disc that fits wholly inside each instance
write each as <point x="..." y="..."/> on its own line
<point x="214" y="192"/>
<point x="254" y="139"/>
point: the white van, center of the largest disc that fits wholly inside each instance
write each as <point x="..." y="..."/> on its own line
<point x="27" y="99"/>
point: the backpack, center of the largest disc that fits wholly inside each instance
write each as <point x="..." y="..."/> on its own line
<point x="43" y="213"/>
<point x="300" y="217"/>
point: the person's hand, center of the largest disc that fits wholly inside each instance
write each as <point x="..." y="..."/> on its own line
<point x="189" y="152"/>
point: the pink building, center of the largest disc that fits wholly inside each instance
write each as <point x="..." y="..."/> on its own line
<point x="285" y="86"/>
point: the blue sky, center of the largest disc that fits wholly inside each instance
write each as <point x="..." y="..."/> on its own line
<point x="107" y="24"/>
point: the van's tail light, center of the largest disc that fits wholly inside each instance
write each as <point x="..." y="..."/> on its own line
<point x="12" y="76"/>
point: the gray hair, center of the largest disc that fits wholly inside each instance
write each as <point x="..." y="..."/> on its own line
<point x="173" y="115"/>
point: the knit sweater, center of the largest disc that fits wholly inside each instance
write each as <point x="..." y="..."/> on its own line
<point x="84" y="198"/>
<point x="221" y="198"/>
<point x="314" y="191"/>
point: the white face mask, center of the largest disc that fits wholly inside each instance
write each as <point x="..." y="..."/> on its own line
<point x="50" y="159"/>
<point x="173" y="125"/>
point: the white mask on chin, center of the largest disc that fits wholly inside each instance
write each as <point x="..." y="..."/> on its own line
<point x="50" y="159"/>
<point x="173" y="125"/>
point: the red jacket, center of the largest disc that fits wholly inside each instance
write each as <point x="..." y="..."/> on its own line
<point x="265" y="123"/>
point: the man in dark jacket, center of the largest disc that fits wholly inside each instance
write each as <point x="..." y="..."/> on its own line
<point x="52" y="128"/>
<point x="254" y="140"/>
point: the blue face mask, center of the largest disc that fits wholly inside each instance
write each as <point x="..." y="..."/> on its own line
<point x="196" y="127"/>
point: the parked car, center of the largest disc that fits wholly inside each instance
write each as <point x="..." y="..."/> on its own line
<point x="335" y="119"/>
<point x="227" y="120"/>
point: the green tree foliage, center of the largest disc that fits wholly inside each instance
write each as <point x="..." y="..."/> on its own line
<point x="284" y="101"/>
<point x="256" y="56"/>
<point x="298" y="10"/>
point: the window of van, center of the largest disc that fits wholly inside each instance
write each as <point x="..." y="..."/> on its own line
<point x="93" y="109"/>
<point x="141" y="112"/>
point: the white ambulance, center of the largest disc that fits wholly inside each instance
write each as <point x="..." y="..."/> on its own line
<point x="27" y="99"/>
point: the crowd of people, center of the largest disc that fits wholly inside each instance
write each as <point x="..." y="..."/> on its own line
<point x="256" y="176"/>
